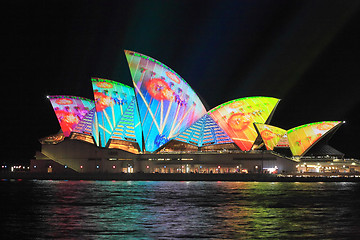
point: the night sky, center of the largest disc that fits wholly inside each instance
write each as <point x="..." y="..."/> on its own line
<point x="303" y="52"/>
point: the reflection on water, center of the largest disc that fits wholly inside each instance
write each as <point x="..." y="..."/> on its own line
<point x="152" y="210"/>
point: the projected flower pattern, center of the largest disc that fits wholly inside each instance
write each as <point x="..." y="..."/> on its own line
<point x="111" y="100"/>
<point x="167" y="104"/>
<point x="163" y="106"/>
<point x="70" y="110"/>
<point x="271" y="135"/>
<point x="303" y="137"/>
<point x="236" y="118"/>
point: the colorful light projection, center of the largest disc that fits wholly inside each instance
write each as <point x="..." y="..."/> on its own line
<point x="129" y="125"/>
<point x="302" y="138"/>
<point x="203" y="132"/>
<point x="167" y="104"/>
<point x="271" y="135"/>
<point x="283" y="142"/>
<point x="84" y="129"/>
<point x="236" y="118"/>
<point x="95" y="128"/>
<point x="70" y="110"/>
<point x="111" y="100"/>
<point x="85" y="125"/>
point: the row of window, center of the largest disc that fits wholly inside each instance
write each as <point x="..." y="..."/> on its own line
<point x="81" y="166"/>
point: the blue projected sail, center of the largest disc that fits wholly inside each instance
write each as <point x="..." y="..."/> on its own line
<point x="129" y="125"/>
<point x="204" y="132"/>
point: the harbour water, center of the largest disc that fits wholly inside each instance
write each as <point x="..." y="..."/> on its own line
<point x="45" y="209"/>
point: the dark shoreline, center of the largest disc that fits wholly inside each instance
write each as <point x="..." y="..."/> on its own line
<point x="178" y="177"/>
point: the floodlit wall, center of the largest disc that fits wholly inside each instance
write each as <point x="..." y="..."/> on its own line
<point x="111" y="101"/>
<point x="84" y="157"/>
<point x="70" y="110"/>
<point x="302" y="138"/>
<point x="271" y="135"/>
<point x="236" y="118"/>
<point x="167" y="104"/>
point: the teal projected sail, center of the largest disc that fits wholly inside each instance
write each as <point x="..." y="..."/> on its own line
<point x="111" y="100"/>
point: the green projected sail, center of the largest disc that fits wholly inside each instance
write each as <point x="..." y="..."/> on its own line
<point x="236" y="118"/>
<point x="111" y="100"/>
<point x="271" y="135"/>
<point x="167" y="104"/>
<point x="302" y="138"/>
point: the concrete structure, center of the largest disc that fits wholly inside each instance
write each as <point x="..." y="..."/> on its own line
<point x="79" y="156"/>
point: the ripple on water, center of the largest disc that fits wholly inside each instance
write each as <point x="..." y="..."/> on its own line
<point x="168" y="210"/>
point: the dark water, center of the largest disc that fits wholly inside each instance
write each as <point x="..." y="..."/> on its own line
<point x="171" y="210"/>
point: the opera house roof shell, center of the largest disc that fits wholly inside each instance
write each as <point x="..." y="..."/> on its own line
<point x="162" y="109"/>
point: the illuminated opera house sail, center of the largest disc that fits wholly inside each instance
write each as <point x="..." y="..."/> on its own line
<point x="167" y="104"/>
<point x="161" y="114"/>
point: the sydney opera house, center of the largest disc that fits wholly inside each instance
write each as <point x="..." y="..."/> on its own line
<point x="160" y="125"/>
